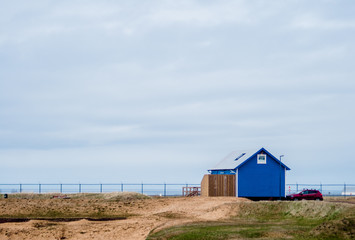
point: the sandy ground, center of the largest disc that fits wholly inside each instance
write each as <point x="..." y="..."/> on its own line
<point x="146" y="215"/>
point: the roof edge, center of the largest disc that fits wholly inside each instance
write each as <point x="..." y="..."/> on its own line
<point x="260" y="150"/>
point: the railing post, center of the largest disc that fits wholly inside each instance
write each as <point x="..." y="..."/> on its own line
<point x="121" y="187"/>
<point x="61" y="188"/>
<point x="142" y="189"/>
<point x="296" y="187"/>
<point x="39" y="188"/>
<point x="20" y="188"/>
<point x="344" y="189"/>
<point x="164" y="189"/>
<point x="100" y="187"/>
<point x="79" y="187"/>
<point x="321" y="190"/>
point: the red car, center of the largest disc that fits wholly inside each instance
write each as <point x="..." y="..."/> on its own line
<point x="307" y="194"/>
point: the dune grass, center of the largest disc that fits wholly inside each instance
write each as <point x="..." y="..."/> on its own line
<point x="98" y="206"/>
<point x="105" y="196"/>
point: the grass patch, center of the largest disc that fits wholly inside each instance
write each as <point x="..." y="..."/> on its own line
<point x="273" y="220"/>
<point x="170" y="215"/>
<point x="232" y="230"/>
<point x="65" y="214"/>
<point x="200" y="231"/>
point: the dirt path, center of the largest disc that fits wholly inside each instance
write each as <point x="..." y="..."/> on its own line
<point x="148" y="215"/>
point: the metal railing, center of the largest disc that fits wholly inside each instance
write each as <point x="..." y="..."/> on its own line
<point x="152" y="189"/>
<point x="156" y="189"/>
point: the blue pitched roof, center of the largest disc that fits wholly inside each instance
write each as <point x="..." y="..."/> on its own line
<point x="237" y="159"/>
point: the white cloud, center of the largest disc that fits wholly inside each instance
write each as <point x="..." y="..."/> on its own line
<point x="314" y="22"/>
<point x="95" y="135"/>
<point x="209" y="14"/>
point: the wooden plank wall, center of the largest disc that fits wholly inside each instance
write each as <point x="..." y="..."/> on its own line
<point x="214" y="185"/>
<point x="205" y="186"/>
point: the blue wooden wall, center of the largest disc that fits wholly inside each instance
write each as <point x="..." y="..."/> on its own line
<point x="261" y="180"/>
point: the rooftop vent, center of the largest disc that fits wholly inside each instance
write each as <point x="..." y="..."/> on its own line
<point x="241" y="155"/>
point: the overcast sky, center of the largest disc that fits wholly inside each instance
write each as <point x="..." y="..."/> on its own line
<point x="160" y="91"/>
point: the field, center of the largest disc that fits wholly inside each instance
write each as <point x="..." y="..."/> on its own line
<point x="135" y="216"/>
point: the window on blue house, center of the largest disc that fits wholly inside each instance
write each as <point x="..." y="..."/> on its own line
<point x="261" y="158"/>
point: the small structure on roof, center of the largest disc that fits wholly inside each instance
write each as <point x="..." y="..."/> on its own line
<point x="253" y="175"/>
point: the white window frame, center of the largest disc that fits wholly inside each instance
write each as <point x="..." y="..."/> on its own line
<point x="261" y="162"/>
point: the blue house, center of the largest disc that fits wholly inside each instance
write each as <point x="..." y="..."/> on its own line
<point x="258" y="174"/>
